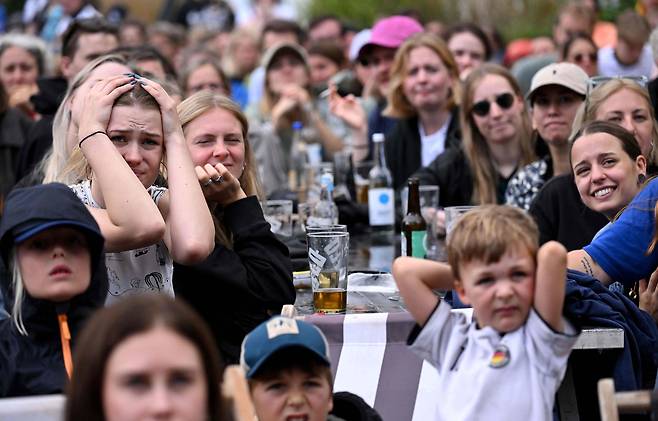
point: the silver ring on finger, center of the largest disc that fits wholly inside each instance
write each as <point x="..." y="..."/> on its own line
<point x="218" y="180"/>
<point x="207" y="183"/>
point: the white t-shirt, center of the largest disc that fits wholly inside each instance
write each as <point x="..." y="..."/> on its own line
<point x="434" y="144"/>
<point x="148" y="269"/>
<point x="610" y="66"/>
<point x="486" y="376"/>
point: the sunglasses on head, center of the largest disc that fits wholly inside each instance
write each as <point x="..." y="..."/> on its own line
<point x="580" y="57"/>
<point x="596" y="81"/>
<point x="482" y="108"/>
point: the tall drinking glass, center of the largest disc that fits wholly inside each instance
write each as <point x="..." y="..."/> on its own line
<point x="327" y="257"/>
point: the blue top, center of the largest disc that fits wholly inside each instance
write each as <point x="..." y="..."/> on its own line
<point x="621" y="249"/>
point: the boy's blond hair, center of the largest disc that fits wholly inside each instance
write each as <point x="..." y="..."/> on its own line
<point x="487" y="232"/>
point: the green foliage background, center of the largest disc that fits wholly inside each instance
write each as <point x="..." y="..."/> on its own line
<point x="513" y="18"/>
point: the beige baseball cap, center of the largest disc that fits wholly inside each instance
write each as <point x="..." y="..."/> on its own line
<point x="568" y="75"/>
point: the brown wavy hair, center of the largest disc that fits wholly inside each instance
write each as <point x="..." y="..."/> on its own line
<point x="398" y="104"/>
<point x="475" y="145"/>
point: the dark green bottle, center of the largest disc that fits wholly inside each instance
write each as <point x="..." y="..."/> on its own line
<point x="414" y="227"/>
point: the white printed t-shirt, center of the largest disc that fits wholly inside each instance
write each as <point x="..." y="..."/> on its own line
<point x="148" y="269"/>
<point x="486" y="376"/>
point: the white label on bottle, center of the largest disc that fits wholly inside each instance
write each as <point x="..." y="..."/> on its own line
<point x="381" y="207"/>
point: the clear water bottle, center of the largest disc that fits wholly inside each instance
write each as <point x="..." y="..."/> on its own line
<point x="381" y="203"/>
<point x="325" y="211"/>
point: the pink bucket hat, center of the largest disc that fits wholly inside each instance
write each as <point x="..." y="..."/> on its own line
<point x="391" y="32"/>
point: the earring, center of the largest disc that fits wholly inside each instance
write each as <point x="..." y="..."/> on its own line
<point x="641" y="179"/>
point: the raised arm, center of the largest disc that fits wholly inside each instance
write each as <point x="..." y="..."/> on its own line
<point x="416" y="279"/>
<point x="550" y="283"/>
<point x="190" y="232"/>
<point x="130" y="218"/>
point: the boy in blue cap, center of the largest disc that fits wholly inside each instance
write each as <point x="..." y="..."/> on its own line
<point x="287" y="365"/>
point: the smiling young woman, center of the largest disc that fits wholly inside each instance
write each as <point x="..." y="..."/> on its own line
<point x="496" y="141"/>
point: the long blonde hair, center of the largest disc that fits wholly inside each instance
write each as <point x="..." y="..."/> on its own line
<point x="475" y="145"/>
<point x="77" y="167"/>
<point x="398" y="104"/>
<point x="56" y="159"/>
<point x="599" y="95"/>
<point x="202" y="102"/>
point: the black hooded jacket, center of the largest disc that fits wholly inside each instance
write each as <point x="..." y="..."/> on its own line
<point x="33" y="364"/>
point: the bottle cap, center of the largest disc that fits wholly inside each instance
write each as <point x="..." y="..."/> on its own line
<point x="377" y="137"/>
<point x="297" y="125"/>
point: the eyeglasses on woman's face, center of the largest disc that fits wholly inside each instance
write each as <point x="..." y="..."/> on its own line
<point x="580" y="57"/>
<point x="482" y="108"/>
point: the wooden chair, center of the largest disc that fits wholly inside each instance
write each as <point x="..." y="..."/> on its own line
<point x="236" y="396"/>
<point x="612" y="403"/>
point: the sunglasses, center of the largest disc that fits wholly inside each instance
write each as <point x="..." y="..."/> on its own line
<point x="596" y="81"/>
<point x="504" y="101"/>
<point x="580" y="57"/>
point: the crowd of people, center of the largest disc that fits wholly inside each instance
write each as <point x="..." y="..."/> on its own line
<point x="134" y="157"/>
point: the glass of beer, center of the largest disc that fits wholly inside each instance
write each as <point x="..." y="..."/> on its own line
<point x="361" y="182"/>
<point x="327" y="257"/>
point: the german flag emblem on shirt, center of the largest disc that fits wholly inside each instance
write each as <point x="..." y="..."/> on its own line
<point x="500" y="357"/>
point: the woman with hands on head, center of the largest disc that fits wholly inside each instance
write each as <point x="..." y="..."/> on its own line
<point x="125" y="123"/>
<point x="248" y="275"/>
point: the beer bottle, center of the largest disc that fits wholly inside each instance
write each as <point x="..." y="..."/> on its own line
<point x="381" y="205"/>
<point x="413" y="224"/>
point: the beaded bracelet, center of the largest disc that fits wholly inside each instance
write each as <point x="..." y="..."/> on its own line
<point x="90" y="135"/>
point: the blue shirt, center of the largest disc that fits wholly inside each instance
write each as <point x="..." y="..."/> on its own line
<point x="621" y="249"/>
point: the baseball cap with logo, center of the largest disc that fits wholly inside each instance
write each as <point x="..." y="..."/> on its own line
<point x="568" y="75"/>
<point x="279" y="333"/>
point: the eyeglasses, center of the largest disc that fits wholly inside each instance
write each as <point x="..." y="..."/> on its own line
<point x="596" y="81"/>
<point x="580" y="57"/>
<point x="482" y="108"/>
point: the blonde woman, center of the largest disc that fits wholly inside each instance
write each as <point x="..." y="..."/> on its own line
<point x="423" y="96"/>
<point x="248" y="275"/>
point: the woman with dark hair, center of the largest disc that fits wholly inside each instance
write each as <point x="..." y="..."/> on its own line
<point x="608" y="167"/>
<point x="134" y="365"/>
<point x="581" y="50"/>
<point x="249" y="270"/>
<point x="496" y="141"/>
<point x="558" y="210"/>
<point x="469" y="45"/>
<point x="424" y="90"/>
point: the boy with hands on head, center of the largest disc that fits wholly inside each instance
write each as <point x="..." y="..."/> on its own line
<point x="510" y="360"/>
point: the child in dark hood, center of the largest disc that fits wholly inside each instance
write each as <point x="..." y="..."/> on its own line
<point x="53" y="249"/>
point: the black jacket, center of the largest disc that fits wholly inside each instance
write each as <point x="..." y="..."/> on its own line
<point x="561" y="215"/>
<point x="14" y="128"/>
<point x="33" y="364"/>
<point x="40" y="138"/>
<point x="403" y="147"/>
<point x="235" y="290"/>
